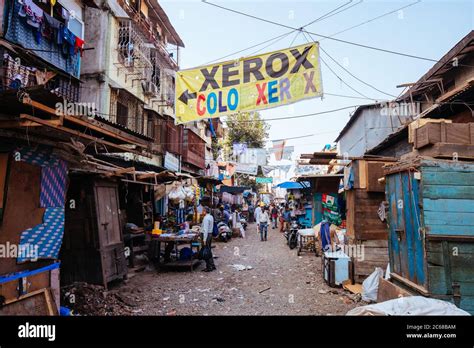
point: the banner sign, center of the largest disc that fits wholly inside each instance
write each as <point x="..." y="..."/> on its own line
<point x="247" y="168"/>
<point x="266" y="170"/>
<point x="254" y="156"/>
<point x="238" y="149"/>
<point x="247" y="84"/>
<point x="278" y="147"/>
<point x="287" y="152"/>
<point x="171" y="162"/>
<point x="261" y="180"/>
<point x="307" y="169"/>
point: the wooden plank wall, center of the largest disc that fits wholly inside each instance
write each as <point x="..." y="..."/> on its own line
<point x="366" y="222"/>
<point x="448" y="200"/>
<point x="365" y="228"/>
<point x="374" y="253"/>
<point x="450" y="263"/>
<point x="21" y="211"/>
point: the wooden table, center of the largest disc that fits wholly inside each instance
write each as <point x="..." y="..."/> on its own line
<point x="191" y="239"/>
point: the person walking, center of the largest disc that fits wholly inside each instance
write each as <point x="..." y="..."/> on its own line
<point x="263" y="222"/>
<point x="258" y="212"/>
<point x="274" y="213"/>
<point x="286" y="218"/>
<point x="206" y="239"/>
<point x="251" y="212"/>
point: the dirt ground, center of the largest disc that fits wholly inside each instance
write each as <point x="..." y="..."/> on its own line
<point x="278" y="283"/>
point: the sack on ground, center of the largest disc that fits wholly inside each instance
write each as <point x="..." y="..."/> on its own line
<point x="370" y="286"/>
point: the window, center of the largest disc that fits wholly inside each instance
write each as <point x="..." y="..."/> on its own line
<point x="122" y="114"/>
<point x="76" y="26"/>
<point x="155" y="69"/>
<point x="125" y="43"/>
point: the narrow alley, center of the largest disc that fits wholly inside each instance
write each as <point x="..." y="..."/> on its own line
<point x="278" y="283"/>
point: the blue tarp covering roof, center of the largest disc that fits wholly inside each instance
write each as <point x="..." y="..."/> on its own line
<point x="291" y="185"/>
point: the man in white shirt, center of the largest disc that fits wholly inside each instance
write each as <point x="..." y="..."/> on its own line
<point x="206" y="234"/>
<point x="263" y="222"/>
<point x="257" y="213"/>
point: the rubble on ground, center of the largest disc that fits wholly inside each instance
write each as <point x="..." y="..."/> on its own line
<point x="89" y="299"/>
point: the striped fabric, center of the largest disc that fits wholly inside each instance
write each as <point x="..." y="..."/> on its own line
<point x="46" y="237"/>
<point x="40" y="157"/>
<point x="53" y="185"/>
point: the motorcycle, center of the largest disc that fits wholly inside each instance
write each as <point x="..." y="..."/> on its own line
<point x="291" y="235"/>
<point x="224" y="232"/>
<point x="243" y="222"/>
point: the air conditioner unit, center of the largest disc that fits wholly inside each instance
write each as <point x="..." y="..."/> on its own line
<point x="150" y="89"/>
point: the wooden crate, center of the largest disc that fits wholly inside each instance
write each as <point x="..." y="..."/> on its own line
<point x="367" y="174"/>
<point x="389" y="291"/>
<point x="447" y="151"/>
<point x="421" y="122"/>
<point x="454" y="133"/>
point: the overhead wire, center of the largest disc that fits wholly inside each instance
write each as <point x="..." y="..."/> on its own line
<point x="279" y="37"/>
<point x="342" y="81"/>
<point x="346" y="70"/>
<point x="321" y="35"/>
<point x="373" y="19"/>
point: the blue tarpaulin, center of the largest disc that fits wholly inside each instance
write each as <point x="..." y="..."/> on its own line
<point x="292" y="185"/>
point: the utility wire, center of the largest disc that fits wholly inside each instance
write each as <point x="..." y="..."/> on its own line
<point x="335" y="74"/>
<point x="345" y="9"/>
<point x="357" y="78"/>
<point x="350" y="96"/>
<point x="323" y="17"/>
<point x="341" y="80"/>
<point x="372" y="19"/>
<point x="248" y="48"/>
<point x="302" y="136"/>
<point x="320" y="35"/>
<point x="274" y="42"/>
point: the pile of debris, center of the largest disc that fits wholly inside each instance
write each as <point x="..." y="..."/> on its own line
<point x="88" y="299"/>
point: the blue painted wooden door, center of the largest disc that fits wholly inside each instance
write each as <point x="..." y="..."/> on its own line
<point x="406" y="240"/>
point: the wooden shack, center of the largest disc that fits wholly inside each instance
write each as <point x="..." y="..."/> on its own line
<point x="93" y="248"/>
<point x="431" y="228"/>
<point x="31" y="228"/>
<point x="365" y="227"/>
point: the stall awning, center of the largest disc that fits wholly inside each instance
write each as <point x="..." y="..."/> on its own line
<point x="234" y="189"/>
<point x="292" y="185"/>
<point x="204" y="180"/>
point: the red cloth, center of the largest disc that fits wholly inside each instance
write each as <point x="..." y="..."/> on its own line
<point x="79" y="45"/>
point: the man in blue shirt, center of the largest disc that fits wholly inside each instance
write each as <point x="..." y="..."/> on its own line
<point x="286" y="217"/>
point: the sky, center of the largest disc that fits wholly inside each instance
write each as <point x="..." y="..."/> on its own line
<point x="429" y="29"/>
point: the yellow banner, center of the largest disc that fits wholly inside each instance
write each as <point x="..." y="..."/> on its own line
<point x="247" y="84"/>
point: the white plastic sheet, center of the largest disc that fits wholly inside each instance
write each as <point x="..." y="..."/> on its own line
<point x="370" y="286"/>
<point x="411" y="305"/>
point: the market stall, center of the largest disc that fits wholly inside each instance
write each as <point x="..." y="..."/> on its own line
<point x="299" y="199"/>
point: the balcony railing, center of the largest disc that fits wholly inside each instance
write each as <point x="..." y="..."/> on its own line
<point x="17" y="75"/>
<point x="20" y="32"/>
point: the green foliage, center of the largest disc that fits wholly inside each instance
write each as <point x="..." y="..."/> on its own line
<point x="248" y="128"/>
